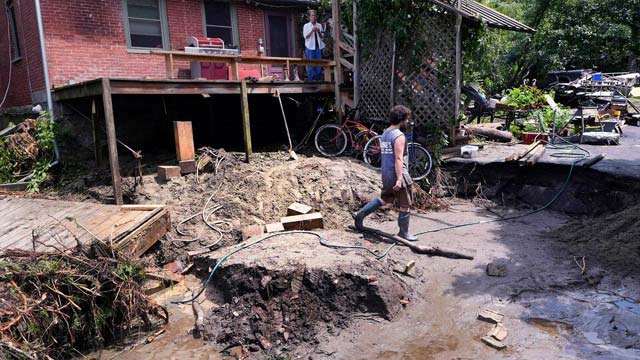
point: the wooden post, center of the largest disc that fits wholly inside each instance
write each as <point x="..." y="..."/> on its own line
<point x="356" y="59"/>
<point x="392" y="82"/>
<point x="111" y="140"/>
<point x="234" y="69"/>
<point x="246" y="124"/>
<point x="337" y="70"/>
<point x="169" y="64"/>
<point x="97" y="140"/>
<point x="452" y="134"/>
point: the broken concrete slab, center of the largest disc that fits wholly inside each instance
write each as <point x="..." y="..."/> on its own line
<point x="298" y="209"/>
<point x="490" y="316"/>
<point x="303" y="222"/>
<point x="496" y="344"/>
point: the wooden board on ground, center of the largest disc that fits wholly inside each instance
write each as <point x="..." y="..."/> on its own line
<point x="52" y="224"/>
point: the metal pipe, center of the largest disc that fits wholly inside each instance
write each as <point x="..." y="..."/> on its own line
<point x="43" y="51"/>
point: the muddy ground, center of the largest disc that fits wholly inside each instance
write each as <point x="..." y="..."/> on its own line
<point x="569" y="292"/>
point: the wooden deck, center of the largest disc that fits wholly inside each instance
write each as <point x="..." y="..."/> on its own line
<point x="47" y="224"/>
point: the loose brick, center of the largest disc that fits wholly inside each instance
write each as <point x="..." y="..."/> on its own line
<point x="276" y="227"/>
<point x="303" y="222"/>
<point x="168" y="172"/>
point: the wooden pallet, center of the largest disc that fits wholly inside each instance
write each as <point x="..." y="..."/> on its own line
<point x="43" y="225"/>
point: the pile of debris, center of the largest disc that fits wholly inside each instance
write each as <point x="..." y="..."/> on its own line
<point x="57" y="304"/>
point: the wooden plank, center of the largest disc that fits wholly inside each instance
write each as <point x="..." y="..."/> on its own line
<point x="111" y="140"/>
<point x="356" y="57"/>
<point x="344" y="46"/>
<point x="76" y="91"/>
<point x="145" y="207"/>
<point x="97" y="139"/>
<point x="458" y="80"/>
<point x="344" y="62"/>
<point x="169" y="65"/>
<point x="183" y="133"/>
<point x="234" y="70"/>
<point x="246" y="123"/>
<point x="140" y="240"/>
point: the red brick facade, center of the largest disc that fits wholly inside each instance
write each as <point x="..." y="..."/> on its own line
<point x="86" y="39"/>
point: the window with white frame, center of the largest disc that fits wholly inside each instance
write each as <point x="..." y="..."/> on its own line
<point x="146" y="24"/>
<point x="16" y="53"/>
<point x="220" y="21"/>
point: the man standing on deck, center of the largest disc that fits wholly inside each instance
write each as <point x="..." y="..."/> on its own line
<point x="396" y="181"/>
<point x="313" y="32"/>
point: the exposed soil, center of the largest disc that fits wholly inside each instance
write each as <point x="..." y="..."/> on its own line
<point x="278" y="295"/>
<point x="612" y="241"/>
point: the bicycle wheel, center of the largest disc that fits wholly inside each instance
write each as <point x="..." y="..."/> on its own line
<point x="361" y="139"/>
<point x="372" y="153"/>
<point x="420" y="162"/>
<point x="331" y="140"/>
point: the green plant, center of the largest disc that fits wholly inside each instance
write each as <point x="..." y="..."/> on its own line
<point x="515" y="130"/>
<point x="525" y="96"/>
<point x="531" y="127"/>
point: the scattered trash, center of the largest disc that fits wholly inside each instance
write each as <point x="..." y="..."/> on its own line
<point x="499" y="332"/>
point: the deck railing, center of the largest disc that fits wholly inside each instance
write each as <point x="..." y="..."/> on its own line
<point x="235" y="60"/>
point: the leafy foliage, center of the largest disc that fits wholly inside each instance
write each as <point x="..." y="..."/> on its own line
<point x="525" y="96"/>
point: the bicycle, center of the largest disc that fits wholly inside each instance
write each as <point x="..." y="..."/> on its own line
<point x="332" y="139"/>
<point x="419" y="159"/>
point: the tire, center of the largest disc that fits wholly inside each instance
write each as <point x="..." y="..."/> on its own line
<point x="371" y="153"/>
<point x="331" y="140"/>
<point x="420" y="162"/>
<point x="361" y="139"/>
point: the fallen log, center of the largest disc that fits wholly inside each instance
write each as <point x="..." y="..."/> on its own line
<point x="490" y="133"/>
<point x="431" y="251"/>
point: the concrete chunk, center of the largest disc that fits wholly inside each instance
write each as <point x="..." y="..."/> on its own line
<point x="303" y="222"/>
<point x="168" y="172"/>
<point x="298" y="209"/>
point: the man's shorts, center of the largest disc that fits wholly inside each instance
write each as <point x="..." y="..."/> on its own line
<point x="401" y="198"/>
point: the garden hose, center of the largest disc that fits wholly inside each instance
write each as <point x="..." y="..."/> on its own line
<point x="565" y="154"/>
<point x="244" y="246"/>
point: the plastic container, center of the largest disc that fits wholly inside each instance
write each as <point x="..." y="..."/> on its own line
<point x="469" y="151"/>
<point x="597" y="77"/>
<point x="531" y="137"/>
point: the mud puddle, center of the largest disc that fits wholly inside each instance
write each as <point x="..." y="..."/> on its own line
<point x="604" y="324"/>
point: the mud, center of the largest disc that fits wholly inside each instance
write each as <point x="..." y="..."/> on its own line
<point x="611" y="241"/>
<point x="279" y="298"/>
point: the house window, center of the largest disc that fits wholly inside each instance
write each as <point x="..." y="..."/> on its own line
<point x="220" y="21"/>
<point x="146" y="23"/>
<point x="13" y="29"/>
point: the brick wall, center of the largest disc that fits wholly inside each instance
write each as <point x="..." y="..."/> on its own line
<point x="85" y="39"/>
<point x="26" y="73"/>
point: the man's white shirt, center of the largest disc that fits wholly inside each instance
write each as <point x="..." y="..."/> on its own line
<point x="310" y="43"/>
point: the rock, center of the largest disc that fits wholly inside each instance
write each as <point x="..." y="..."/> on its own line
<point x="490" y="316"/>
<point x="250" y="231"/>
<point x="494" y="269"/>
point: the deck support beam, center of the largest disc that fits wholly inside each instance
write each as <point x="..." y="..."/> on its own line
<point x="111" y="140"/>
<point x="246" y="123"/>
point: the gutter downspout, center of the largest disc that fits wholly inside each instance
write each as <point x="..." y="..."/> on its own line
<point x="47" y="82"/>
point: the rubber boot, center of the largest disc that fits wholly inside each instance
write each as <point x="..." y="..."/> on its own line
<point x="359" y="216"/>
<point x="403" y="224"/>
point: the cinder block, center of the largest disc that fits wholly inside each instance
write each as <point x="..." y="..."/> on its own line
<point x="251" y="231"/>
<point x="298" y="209"/>
<point x="276" y="227"/>
<point x="303" y="222"/>
<point x="167" y="172"/>
<point x="187" y="167"/>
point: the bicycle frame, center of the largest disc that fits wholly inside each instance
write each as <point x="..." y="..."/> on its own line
<point x="348" y="125"/>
